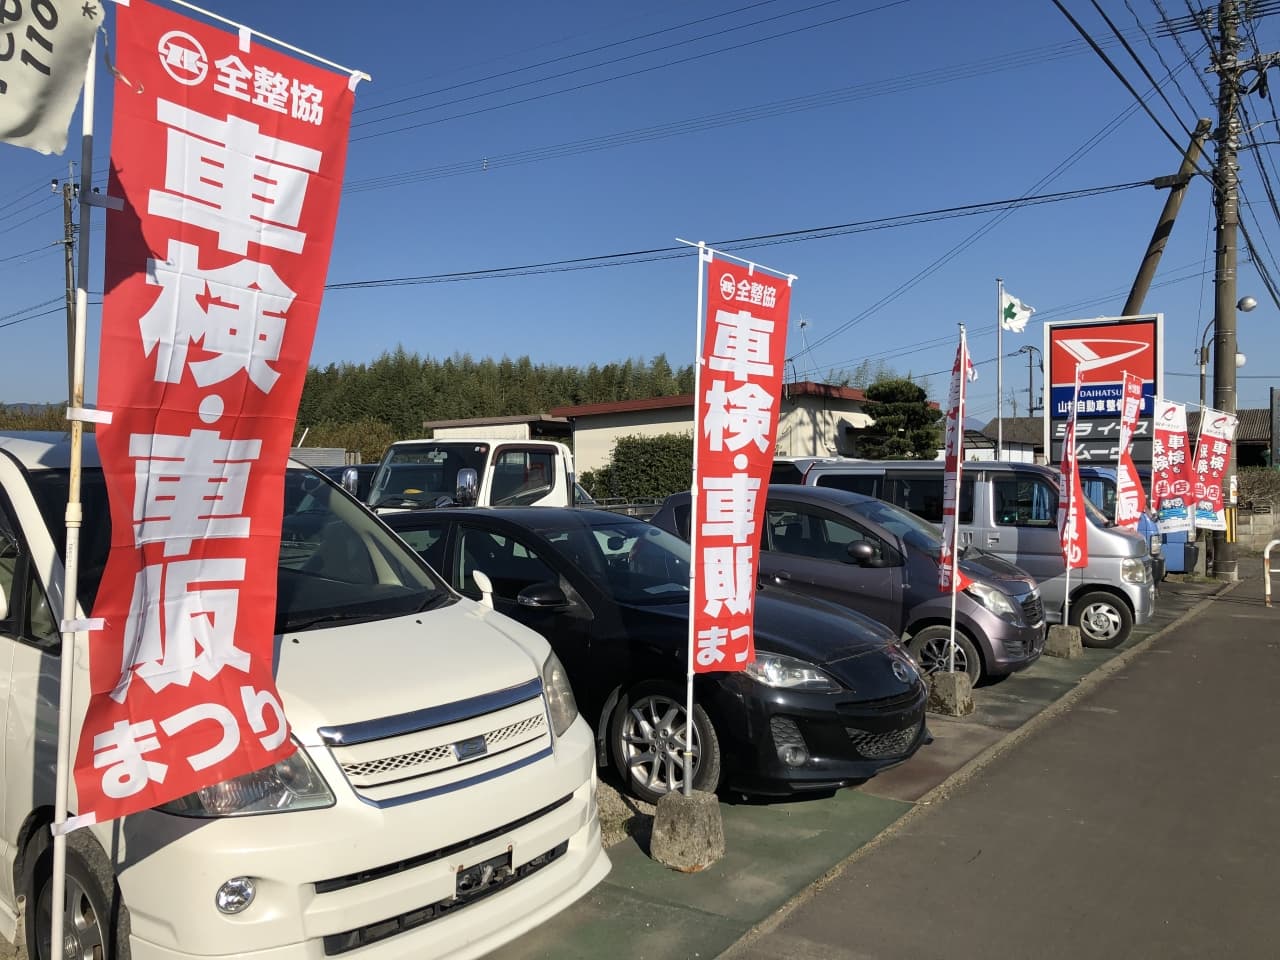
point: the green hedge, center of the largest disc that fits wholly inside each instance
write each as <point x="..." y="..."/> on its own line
<point x="643" y="468"/>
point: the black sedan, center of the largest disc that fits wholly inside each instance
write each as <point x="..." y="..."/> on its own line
<point x="830" y="700"/>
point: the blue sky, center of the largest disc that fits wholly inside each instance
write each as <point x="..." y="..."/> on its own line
<point x="821" y="114"/>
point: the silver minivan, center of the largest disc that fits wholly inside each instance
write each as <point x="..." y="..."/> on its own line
<point x="1011" y="510"/>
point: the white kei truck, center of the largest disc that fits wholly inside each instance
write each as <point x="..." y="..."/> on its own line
<point x="441" y="802"/>
<point x="414" y="474"/>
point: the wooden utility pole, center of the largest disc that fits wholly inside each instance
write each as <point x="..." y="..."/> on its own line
<point x="69" y="247"/>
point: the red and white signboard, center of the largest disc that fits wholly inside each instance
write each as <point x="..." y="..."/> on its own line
<point x="1213" y="453"/>
<point x="740" y="389"/>
<point x="1073" y="530"/>
<point x="228" y="156"/>
<point x="1171" y="473"/>
<point x="1131" y="500"/>
<point x="950" y="576"/>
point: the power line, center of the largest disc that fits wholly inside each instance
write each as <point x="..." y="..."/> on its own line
<point x="1159" y="55"/>
<point x="769" y="239"/>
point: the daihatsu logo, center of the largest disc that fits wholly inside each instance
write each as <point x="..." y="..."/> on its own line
<point x="1093" y="352"/>
<point x="1221" y="423"/>
<point x="1169" y="413"/>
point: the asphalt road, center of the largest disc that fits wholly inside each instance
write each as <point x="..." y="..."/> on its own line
<point x="1140" y="824"/>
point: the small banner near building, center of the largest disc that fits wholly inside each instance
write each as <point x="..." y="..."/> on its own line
<point x="44" y="50"/>
<point x="1171" y="469"/>
<point x="1213" y="453"/>
<point x="950" y="576"/>
<point x="228" y="156"/>
<point x="740" y="392"/>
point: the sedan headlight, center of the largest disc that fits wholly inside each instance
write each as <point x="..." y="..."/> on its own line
<point x="788" y="673"/>
<point x="997" y="601"/>
<point x="287" y="785"/>
<point x="1133" y="570"/>
<point x="561" y="706"/>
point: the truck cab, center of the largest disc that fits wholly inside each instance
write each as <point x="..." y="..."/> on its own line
<point x="414" y="474"/>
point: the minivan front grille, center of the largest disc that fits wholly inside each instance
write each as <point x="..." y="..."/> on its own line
<point x="1033" y="608"/>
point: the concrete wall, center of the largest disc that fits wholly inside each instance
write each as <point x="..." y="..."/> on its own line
<point x="594" y="436"/>
<point x="1255" y="530"/>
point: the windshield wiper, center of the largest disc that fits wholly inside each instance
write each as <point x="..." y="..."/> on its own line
<point x="435" y="601"/>
<point x="336" y="616"/>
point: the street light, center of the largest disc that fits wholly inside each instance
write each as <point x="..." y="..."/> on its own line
<point x="1244" y="305"/>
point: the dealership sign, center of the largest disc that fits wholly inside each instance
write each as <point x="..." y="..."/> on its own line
<point x="1103" y="351"/>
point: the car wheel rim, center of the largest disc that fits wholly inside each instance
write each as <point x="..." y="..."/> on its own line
<point x="653" y="740"/>
<point x="82" y="933"/>
<point x="935" y="656"/>
<point x="1100" y="621"/>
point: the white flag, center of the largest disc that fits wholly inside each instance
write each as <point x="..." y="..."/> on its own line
<point x="47" y="45"/>
<point x="1014" y="314"/>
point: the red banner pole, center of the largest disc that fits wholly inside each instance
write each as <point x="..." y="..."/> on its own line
<point x="704" y="257"/>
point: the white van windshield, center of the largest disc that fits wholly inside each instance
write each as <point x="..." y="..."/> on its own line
<point x="338" y="563"/>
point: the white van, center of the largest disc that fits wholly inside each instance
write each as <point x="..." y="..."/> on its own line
<point x="1011" y="510"/>
<point x="377" y="837"/>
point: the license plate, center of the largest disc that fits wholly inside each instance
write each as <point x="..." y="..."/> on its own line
<point x="475" y="880"/>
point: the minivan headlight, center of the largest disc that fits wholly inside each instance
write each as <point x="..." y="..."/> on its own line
<point x="1133" y="570"/>
<point x="287" y="785"/>
<point x="788" y="673"/>
<point x="997" y="601"/>
<point x="561" y="705"/>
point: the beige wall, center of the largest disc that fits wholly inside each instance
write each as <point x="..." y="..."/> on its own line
<point x="496" y="431"/>
<point x="809" y="428"/>
<point x="594" y="436"/>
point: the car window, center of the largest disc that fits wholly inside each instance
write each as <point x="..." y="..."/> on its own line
<point x="868" y="485"/>
<point x="510" y="563"/>
<point x="9" y="556"/>
<point x="428" y="542"/>
<point x="819" y="536"/>
<point x="921" y="493"/>
<point x="1025" y="502"/>
<point x="521" y="477"/>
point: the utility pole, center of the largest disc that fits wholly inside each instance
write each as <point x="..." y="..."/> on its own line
<point x="1227" y="205"/>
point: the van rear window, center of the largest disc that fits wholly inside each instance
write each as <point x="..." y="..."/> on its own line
<point x="852" y="482"/>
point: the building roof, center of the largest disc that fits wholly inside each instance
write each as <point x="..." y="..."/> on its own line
<point x="1028" y="430"/>
<point x="494" y="421"/>
<point x="1254" y="427"/>
<point x="801" y="388"/>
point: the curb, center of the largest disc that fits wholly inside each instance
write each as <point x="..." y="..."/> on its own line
<point x="921" y="807"/>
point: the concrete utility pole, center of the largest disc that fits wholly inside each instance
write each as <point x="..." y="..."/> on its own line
<point x="1227" y="204"/>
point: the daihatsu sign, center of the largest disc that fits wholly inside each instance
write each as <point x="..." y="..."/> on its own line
<point x="1104" y="350"/>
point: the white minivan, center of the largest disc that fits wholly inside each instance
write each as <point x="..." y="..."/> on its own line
<point x="377" y="837"/>
<point x="1011" y="510"/>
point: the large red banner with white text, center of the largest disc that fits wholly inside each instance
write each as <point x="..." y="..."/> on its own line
<point x="1073" y="530"/>
<point x="740" y="392"/>
<point x="228" y="156"/>
<point x="1171" y="475"/>
<point x="1131" y="500"/>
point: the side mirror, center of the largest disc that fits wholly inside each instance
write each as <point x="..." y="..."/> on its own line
<point x="468" y="487"/>
<point x="542" y="596"/>
<point x="351" y="480"/>
<point x="486" y="587"/>
<point x="861" y="552"/>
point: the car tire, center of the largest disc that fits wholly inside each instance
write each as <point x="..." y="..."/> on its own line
<point x="96" y="916"/>
<point x="646" y="735"/>
<point x="929" y="648"/>
<point x="1103" y="618"/>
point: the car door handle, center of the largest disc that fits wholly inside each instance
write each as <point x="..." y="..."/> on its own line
<point x="993" y="538"/>
<point x="781" y="577"/>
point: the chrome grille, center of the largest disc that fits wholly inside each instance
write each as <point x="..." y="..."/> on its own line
<point x="1033" y="608"/>
<point x="443" y="755"/>
<point x="883" y="746"/>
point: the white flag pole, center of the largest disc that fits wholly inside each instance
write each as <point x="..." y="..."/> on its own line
<point x="999" y="368"/>
<point x="955" y="522"/>
<point x="1071" y="492"/>
<point x="704" y="256"/>
<point x="70" y="583"/>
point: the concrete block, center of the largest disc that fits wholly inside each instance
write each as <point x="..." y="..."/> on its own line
<point x="1064" y="642"/>
<point x="688" y="833"/>
<point x="950" y="694"/>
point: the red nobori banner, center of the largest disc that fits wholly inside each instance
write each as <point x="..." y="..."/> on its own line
<point x="1073" y="530"/>
<point x="950" y="576"/>
<point x="228" y="156"/>
<point x="1171" y="473"/>
<point x="740" y="390"/>
<point x="1131" y="501"/>
<point x="1213" y="453"/>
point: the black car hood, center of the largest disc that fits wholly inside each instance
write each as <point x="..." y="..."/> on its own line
<point x="809" y="629"/>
